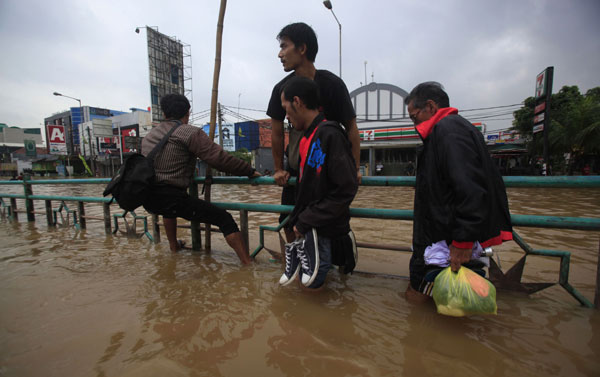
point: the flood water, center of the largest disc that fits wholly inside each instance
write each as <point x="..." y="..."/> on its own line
<point x="80" y="303"/>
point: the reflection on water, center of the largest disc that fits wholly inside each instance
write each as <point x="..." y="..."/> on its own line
<point x="82" y="303"/>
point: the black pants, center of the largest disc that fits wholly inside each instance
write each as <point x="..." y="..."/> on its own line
<point x="418" y="270"/>
<point x="288" y="194"/>
<point x="172" y="202"/>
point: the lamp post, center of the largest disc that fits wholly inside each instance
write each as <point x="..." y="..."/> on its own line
<point x="137" y="29"/>
<point x="80" y="124"/>
<point x="329" y="6"/>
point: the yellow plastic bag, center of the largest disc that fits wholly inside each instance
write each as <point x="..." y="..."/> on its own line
<point x="463" y="293"/>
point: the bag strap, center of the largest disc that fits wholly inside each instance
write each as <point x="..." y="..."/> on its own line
<point x="164" y="140"/>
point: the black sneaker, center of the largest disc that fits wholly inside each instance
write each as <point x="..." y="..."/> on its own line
<point x="350" y="265"/>
<point x="292" y="263"/>
<point x="309" y="258"/>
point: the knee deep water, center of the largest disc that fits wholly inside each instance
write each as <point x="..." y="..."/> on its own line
<point x="82" y="303"/>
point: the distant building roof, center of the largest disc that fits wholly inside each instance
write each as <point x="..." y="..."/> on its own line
<point x="37" y="149"/>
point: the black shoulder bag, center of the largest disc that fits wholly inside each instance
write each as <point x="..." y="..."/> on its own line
<point x="131" y="185"/>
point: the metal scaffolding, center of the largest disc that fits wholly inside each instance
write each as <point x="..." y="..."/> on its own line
<point x="170" y="68"/>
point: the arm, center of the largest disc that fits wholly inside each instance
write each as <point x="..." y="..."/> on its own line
<point x="460" y="157"/>
<point x="354" y="137"/>
<point x="205" y="149"/>
<point x="277" y="142"/>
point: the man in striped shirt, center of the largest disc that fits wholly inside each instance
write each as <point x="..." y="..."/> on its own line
<point x="174" y="167"/>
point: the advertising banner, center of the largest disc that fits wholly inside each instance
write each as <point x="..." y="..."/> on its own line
<point x="129" y="139"/>
<point x="56" y="139"/>
<point x="228" y="135"/>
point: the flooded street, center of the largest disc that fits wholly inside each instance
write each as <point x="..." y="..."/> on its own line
<point x="80" y="303"/>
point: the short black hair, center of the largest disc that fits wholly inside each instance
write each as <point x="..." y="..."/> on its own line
<point x="174" y="106"/>
<point x="429" y="90"/>
<point x="301" y="34"/>
<point x="305" y="89"/>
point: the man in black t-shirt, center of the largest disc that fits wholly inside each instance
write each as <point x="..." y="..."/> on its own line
<point x="298" y="50"/>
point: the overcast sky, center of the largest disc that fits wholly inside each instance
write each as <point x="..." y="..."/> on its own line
<point x="485" y="53"/>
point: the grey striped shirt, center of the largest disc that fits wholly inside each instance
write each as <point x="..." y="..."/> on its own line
<point x="175" y="164"/>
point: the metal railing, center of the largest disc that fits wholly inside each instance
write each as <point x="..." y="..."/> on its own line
<point x="80" y="218"/>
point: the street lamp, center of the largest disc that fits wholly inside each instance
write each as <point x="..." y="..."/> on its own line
<point x="137" y="29"/>
<point x="80" y="124"/>
<point x="329" y="6"/>
<point x="62" y="95"/>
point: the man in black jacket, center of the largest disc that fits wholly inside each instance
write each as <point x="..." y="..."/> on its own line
<point x="327" y="184"/>
<point x="460" y="196"/>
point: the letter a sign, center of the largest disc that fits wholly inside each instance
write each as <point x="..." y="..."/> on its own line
<point x="57" y="136"/>
<point x="56" y="139"/>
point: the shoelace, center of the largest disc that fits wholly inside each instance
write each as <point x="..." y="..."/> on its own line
<point x="302" y="256"/>
<point x="290" y="248"/>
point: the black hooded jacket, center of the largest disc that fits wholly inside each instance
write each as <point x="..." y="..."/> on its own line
<point x="327" y="181"/>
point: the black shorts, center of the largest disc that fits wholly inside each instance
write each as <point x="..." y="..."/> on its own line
<point x="172" y="202"/>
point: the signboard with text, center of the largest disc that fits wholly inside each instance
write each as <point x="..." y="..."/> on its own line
<point x="228" y="135"/>
<point x="540" y="85"/>
<point x="543" y="90"/>
<point x="56" y="139"/>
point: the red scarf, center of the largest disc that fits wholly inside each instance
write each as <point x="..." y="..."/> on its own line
<point x="425" y="128"/>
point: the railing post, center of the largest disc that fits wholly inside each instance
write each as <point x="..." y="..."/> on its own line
<point x="13" y="209"/>
<point x="49" y="217"/>
<point x="155" y="229"/>
<point x="28" y="202"/>
<point x="244" y="225"/>
<point x="597" y="297"/>
<point x="207" y="231"/>
<point x="106" y="209"/>
<point x="195" y="225"/>
<point x="81" y="209"/>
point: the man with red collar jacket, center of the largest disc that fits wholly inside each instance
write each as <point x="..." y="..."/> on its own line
<point x="327" y="184"/>
<point x="460" y="195"/>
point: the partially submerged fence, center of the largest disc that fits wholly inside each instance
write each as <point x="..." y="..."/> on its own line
<point x="509" y="280"/>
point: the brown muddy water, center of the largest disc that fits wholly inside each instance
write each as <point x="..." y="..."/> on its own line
<point x="80" y="303"/>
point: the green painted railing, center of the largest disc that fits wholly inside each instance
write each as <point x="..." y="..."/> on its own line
<point x="557" y="222"/>
<point x="509" y="181"/>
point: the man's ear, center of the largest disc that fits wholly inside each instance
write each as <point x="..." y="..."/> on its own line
<point x="297" y="101"/>
<point x="302" y="49"/>
<point x="434" y="106"/>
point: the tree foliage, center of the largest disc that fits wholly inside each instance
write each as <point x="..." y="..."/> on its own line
<point x="242" y="154"/>
<point x="574" y="128"/>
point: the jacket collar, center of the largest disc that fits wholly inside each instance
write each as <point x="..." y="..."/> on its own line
<point x="425" y="128"/>
<point x="318" y="119"/>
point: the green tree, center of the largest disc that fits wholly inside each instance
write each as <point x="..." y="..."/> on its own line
<point x="574" y="128"/>
<point x="242" y="154"/>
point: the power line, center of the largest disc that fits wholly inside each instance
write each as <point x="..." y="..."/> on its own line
<point x="493" y="107"/>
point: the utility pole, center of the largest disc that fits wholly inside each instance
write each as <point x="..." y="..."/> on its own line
<point x="220" y="124"/>
<point x="91" y="152"/>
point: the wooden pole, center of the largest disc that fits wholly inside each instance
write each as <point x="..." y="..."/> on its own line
<point x="213" y="104"/>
